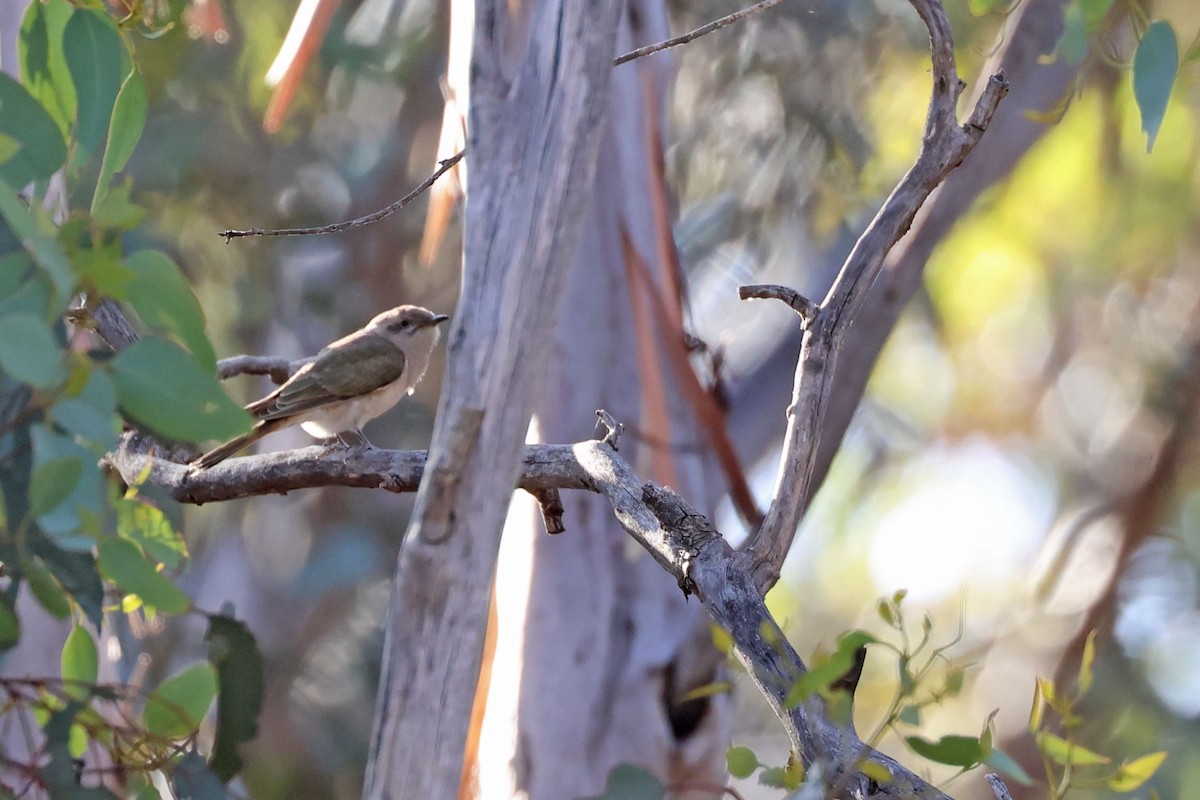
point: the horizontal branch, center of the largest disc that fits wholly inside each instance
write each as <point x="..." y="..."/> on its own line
<point x="278" y="369"/>
<point x="546" y="467"/>
<point x="679" y="538"/>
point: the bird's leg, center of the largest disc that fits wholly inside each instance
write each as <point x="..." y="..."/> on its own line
<point x="354" y="438"/>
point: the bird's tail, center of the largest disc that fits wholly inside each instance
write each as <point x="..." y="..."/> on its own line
<point x="224" y="451"/>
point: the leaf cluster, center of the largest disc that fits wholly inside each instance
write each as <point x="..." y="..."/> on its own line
<point x="68" y="245"/>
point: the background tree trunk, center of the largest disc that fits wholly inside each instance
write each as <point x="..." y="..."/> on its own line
<point x="537" y="104"/>
<point x="587" y="669"/>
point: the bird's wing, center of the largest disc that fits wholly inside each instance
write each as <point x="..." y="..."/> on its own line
<point x="377" y="362"/>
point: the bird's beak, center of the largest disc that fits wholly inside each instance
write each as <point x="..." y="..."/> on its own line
<point x="438" y="319"/>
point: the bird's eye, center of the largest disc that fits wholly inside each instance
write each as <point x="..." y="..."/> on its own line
<point x="402" y="325"/>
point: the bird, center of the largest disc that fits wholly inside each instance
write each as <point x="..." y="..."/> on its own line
<point x="349" y="383"/>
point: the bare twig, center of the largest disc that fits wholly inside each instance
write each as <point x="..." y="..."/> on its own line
<point x="998" y="787"/>
<point x="612" y="428"/>
<point x="943" y="147"/>
<point x="806" y="308"/>
<point x="696" y="34"/>
<point x="358" y="222"/>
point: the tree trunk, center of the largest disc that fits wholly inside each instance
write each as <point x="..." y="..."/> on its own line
<point x="532" y="143"/>
<point x="594" y="640"/>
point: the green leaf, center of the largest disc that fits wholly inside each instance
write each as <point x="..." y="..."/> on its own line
<point x="627" y="782"/>
<point x="1154" y="67"/>
<point x="983" y="7"/>
<point x="43" y="67"/>
<point x="9" y="147"/>
<point x="877" y="772"/>
<point x="92" y="413"/>
<point x="28" y="351"/>
<point x="77" y="574"/>
<point x="1003" y="763"/>
<point x="825" y="671"/>
<point x="10" y="626"/>
<point x="87" y="499"/>
<point x="163" y="387"/>
<point x="910" y="715"/>
<point x="191" y="779"/>
<point x="52" y="483"/>
<point x="117" y="210"/>
<point x="1086" y="662"/>
<point x="42" y="149"/>
<point x="1073" y="44"/>
<point x="234" y="653"/>
<point x="1093" y="12"/>
<point x="101" y="267"/>
<point x="1131" y="775"/>
<point x="721" y="639"/>
<point x="123" y="564"/>
<point x="46" y="589"/>
<point x="164" y="300"/>
<point x="47" y="252"/>
<point x="93" y="51"/>
<point x="176" y="708"/>
<point x="708" y="690"/>
<point x="789" y="777"/>
<point x="1063" y="752"/>
<point x="954" y="751"/>
<point x="741" y="762"/>
<point x="148" y="528"/>
<point x="124" y="130"/>
<point x="79" y="662"/>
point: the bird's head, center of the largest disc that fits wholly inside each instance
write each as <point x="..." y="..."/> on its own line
<point x="408" y="327"/>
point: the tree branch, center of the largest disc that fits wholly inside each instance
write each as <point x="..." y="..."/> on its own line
<point x="278" y="369"/>
<point x="943" y="147"/>
<point x="697" y="33"/>
<point x="357" y="222"/>
<point x="679" y="538"/>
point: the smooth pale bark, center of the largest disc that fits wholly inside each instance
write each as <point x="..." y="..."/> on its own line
<point x="532" y="142"/>
<point x="590" y="630"/>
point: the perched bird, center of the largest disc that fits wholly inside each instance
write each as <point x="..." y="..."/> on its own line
<point x="348" y="384"/>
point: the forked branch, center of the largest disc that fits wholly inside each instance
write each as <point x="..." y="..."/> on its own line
<point x="944" y="145"/>
<point x="682" y="540"/>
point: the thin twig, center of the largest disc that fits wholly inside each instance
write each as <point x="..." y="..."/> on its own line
<point x="696" y="34"/>
<point x="998" y="787"/>
<point x="806" y="308"/>
<point x="443" y="167"/>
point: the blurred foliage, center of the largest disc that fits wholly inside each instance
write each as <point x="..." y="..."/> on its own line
<point x="1013" y="433"/>
<point x="84" y="548"/>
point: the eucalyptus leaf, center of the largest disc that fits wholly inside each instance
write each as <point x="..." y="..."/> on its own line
<point x="93" y="52"/>
<point x="28" y="351"/>
<point x="123" y="564"/>
<point x="1154" y="68"/>
<point x="41" y="148"/>
<point x="164" y="300"/>
<point x="176" y="708"/>
<point x="163" y="387"/>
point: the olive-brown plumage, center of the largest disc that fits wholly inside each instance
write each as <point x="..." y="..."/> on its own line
<point x="349" y="383"/>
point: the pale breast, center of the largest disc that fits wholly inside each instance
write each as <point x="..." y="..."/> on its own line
<point x="348" y="415"/>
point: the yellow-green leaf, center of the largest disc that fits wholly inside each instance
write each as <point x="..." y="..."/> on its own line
<point x="1086" y="662"/>
<point x="1131" y="775"/>
<point x="178" y="705"/>
<point x="1063" y="752"/>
